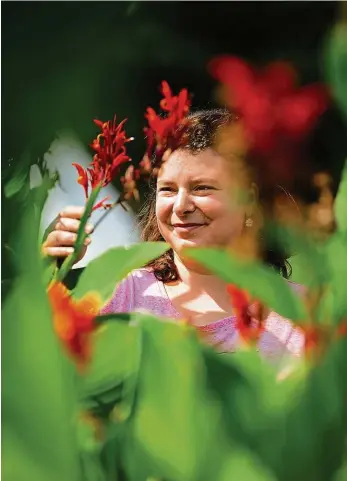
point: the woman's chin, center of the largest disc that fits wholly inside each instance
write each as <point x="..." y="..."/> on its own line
<point x="189" y="244"/>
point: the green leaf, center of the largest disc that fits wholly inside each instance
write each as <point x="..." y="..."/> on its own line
<point x="336" y="64"/>
<point x="336" y="249"/>
<point x="309" y="259"/>
<point x="259" y="280"/>
<point x="38" y="388"/>
<point x="107" y="391"/>
<point x="241" y="464"/>
<point x="170" y="430"/>
<point x="115" y="363"/>
<point x="105" y="272"/>
<point x="16" y="183"/>
<point x="340" y="206"/>
<point x="19" y="175"/>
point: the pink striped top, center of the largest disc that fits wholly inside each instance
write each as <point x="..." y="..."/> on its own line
<point x="280" y="341"/>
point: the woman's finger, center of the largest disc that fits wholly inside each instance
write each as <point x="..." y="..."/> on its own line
<point x="72" y="212"/>
<point x="60" y="238"/>
<point x="58" y="251"/>
<point x="71" y="225"/>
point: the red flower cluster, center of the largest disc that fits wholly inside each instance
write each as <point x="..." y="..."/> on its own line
<point x="110" y="155"/>
<point x="268" y="101"/>
<point x="74" y="321"/>
<point x="249" y="328"/>
<point x="276" y="114"/>
<point x="165" y="133"/>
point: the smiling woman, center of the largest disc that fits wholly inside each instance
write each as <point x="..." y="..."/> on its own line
<point x="198" y="186"/>
<point x="196" y="201"/>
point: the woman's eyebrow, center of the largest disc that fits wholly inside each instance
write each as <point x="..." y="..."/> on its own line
<point x="204" y="180"/>
<point x="166" y="182"/>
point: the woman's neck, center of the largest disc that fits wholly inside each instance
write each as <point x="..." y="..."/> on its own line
<point x="194" y="275"/>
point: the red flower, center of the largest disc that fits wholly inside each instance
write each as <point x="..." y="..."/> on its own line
<point x="319" y="337"/>
<point x="74" y="321"/>
<point x="249" y="329"/>
<point x="165" y="133"/>
<point x="110" y="155"/>
<point x="276" y="114"/>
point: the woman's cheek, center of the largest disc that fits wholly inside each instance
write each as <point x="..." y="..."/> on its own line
<point x="163" y="209"/>
<point x="211" y="206"/>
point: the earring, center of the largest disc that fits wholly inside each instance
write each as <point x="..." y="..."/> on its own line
<point x="249" y="222"/>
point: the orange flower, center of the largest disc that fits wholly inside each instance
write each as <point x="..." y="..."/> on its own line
<point x="74" y="320"/>
<point x="249" y="329"/>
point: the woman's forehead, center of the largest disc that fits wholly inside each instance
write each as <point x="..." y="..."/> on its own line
<point x="184" y="163"/>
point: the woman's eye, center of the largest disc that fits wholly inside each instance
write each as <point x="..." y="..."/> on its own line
<point x="165" y="189"/>
<point x="203" y="187"/>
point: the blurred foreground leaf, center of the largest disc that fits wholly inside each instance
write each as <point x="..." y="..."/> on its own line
<point x="38" y="389"/>
<point x="336" y="64"/>
<point x="259" y="280"/>
<point x="102" y="274"/>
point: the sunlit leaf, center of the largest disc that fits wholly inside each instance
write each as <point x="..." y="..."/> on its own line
<point x="103" y="274"/>
<point x="259" y="280"/>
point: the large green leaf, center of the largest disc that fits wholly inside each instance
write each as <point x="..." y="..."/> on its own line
<point x="38" y="385"/>
<point x="115" y="361"/>
<point x="336" y="249"/>
<point x="340" y="206"/>
<point x="169" y="432"/>
<point x="259" y="280"/>
<point x="316" y="427"/>
<point x="336" y="64"/>
<point x="102" y="274"/>
<point x="107" y="391"/>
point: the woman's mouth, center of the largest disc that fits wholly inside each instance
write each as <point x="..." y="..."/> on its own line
<point x="186" y="228"/>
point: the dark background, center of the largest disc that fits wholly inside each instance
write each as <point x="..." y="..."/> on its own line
<point x="65" y="63"/>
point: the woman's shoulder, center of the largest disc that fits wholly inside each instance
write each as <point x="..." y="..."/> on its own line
<point x="134" y="292"/>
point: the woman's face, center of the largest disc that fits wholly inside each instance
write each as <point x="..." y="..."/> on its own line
<point x="196" y="201"/>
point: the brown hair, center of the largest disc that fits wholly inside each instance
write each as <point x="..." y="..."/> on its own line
<point x="200" y="134"/>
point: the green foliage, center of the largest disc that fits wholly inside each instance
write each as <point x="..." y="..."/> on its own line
<point x="112" y="266"/>
<point x="38" y="385"/>
<point x="341" y="202"/>
<point x="260" y="281"/>
<point x="336" y="64"/>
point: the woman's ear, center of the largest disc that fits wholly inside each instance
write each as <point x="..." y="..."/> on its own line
<point x="253" y="210"/>
<point x="253" y="198"/>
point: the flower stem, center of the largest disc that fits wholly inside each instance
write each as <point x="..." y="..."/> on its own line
<point x="81" y="237"/>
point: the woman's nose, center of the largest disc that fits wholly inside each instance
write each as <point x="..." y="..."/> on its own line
<point x="183" y="203"/>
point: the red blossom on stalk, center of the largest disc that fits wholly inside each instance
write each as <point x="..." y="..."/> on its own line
<point x="165" y="133"/>
<point x="110" y="154"/>
<point x="74" y="321"/>
<point x="249" y="329"/>
<point x="319" y="337"/>
<point x="277" y="115"/>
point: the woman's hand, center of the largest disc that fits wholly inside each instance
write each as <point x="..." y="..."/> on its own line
<point x="61" y="240"/>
